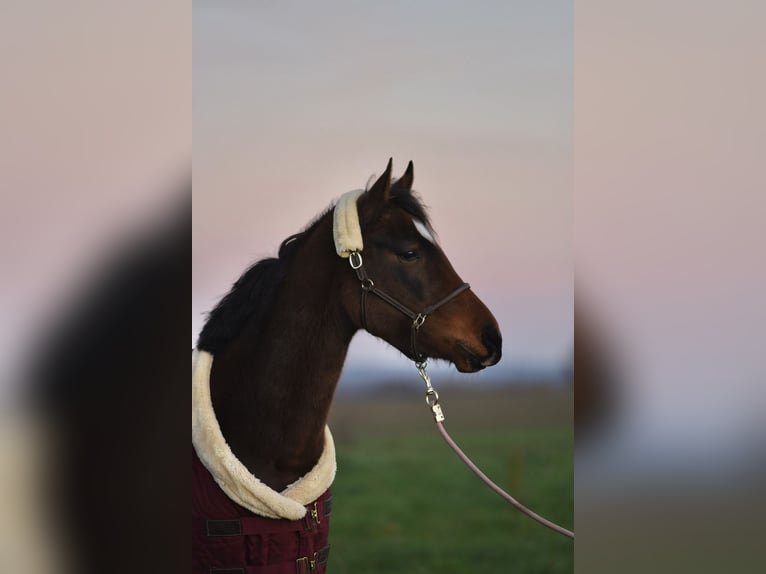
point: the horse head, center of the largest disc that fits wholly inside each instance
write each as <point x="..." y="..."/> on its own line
<point x="414" y="281"/>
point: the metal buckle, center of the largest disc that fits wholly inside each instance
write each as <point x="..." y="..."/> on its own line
<point x="311" y="514"/>
<point x="355" y="255"/>
<point x="315" y="514"/>
<point x="418" y="321"/>
<point x="305" y="564"/>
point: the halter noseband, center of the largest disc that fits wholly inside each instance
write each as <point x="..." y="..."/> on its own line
<point x="368" y="286"/>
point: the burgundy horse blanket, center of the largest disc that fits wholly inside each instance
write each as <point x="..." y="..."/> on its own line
<point x="229" y="539"/>
<point x="239" y="524"/>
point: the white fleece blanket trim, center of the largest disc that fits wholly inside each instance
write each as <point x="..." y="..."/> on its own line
<point x="232" y="476"/>
<point x="346" y="230"/>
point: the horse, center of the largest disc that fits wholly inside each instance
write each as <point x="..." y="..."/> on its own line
<point x="263" y="456"/>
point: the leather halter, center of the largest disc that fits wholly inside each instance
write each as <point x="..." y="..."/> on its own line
<point x="368" y="286"/>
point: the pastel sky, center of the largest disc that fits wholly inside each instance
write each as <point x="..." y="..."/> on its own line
<point x="296" y="103"/>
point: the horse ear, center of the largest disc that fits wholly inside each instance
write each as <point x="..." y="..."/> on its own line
<point x="404" y="183"/>
<point x="377" y="196"/>
<point x="381" y="189"/>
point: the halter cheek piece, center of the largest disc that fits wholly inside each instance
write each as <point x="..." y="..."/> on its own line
<point x="368" y="286"/>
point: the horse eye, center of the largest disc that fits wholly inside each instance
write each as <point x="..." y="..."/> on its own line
<point x="408" y="256"/>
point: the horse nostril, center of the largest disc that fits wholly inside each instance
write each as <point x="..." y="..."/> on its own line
<point x="493" y="341"/>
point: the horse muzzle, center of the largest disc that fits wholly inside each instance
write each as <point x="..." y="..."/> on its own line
<point x="474" y="361"/>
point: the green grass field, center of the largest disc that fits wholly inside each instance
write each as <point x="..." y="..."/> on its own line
<point x="402" y="502"/>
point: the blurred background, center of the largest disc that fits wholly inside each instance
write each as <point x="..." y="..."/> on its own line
<point x="95" y="154"/>
<point x="295" y="104"/>
<point x="670" y="284"/>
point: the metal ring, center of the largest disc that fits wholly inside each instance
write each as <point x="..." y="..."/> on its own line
<point x="358" y="256"/>
<point x="432" y="398"/>
<point x="367" y="284"/>
<point x="419" y="320"/>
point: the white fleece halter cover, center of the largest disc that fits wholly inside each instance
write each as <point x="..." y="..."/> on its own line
<point x="345" y="224"/>
<point x="232" y="476"/>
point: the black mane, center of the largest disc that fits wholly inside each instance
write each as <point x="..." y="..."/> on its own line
<point x="251" y="295"/>
<point x="248" y="297"/>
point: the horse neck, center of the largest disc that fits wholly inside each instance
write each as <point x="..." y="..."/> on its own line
<point x="273" y="387"/>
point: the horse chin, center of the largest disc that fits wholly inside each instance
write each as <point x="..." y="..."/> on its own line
<point x="470" y="361"/>
<point x="468" y="367"/>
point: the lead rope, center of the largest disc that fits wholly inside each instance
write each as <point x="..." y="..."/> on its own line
<point x="432" y="400"/>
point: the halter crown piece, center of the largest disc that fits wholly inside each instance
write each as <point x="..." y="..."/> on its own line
<point x="346" y="230"/>
<point x="347" y="234"/>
